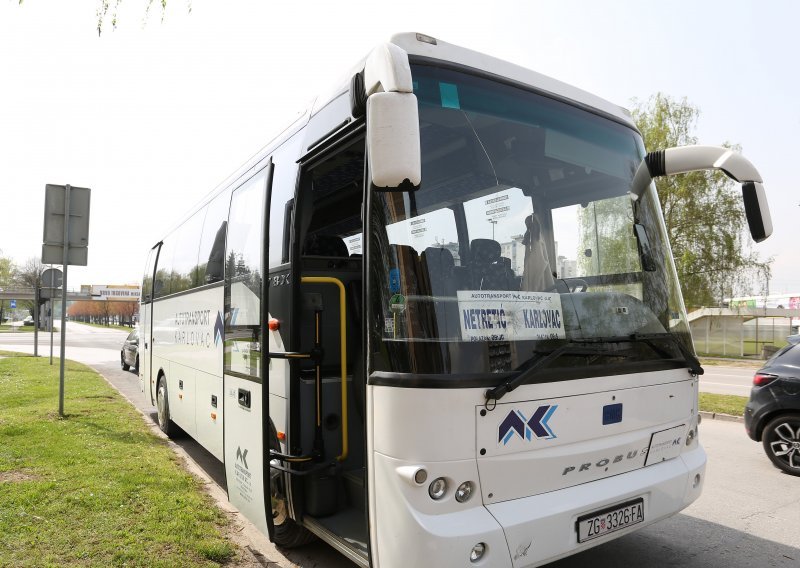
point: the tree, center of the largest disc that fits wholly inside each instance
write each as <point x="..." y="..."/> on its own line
<point x="30" y="276"/>
<point x="703" y="212"/>
<point x="109" y="8"/>
<point x="7" y="273"/>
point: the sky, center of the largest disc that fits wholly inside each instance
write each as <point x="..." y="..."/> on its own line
<point x="154" y="114"/>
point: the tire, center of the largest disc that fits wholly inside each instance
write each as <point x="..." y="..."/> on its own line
<point x="137" y="363"/>
<point x="162" y="405"/>
<point x="781" y="439"/>
<point x="125" y="366"/>
<point x="288" y="534"/>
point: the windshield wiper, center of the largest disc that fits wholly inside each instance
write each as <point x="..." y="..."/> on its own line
<point x="570" y="348"/>
<point x="583" y="347"/>
<point x="649" y="339"/>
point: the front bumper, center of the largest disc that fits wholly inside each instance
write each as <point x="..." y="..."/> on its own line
<point x="541" y="528"/>
<point x="527" y="532"/>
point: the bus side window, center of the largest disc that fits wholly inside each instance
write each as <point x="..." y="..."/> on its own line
<point x="212" y="242"/>
<point x="183" y="273"/>
<point x="161" y="284"/>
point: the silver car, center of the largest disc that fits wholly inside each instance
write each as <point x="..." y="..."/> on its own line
<point x="130" y="351"/>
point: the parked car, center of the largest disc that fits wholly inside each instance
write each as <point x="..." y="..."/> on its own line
<point x="793" y="339"/>
<point x="130" y="351"/>
<point x="772" y="415"/>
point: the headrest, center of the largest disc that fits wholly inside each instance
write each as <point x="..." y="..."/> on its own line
<point x="485" y="250"/>
<point x="325" y="245"/>
<point x="438" y="256"/>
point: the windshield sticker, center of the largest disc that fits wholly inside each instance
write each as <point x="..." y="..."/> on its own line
<point x="487" y="315"/>
<point x="449" y="94"/>
<point x="397" y="303"/>
<point x="394" y="280"/>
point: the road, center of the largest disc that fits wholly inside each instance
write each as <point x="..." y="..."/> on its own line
<point x="747" y="516"/>
<point x="721" y="379"/>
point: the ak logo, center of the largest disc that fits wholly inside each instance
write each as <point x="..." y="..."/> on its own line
<point x="517" y="424"/>
<point x="218" y="329"/>
<point x="242" y="456"/>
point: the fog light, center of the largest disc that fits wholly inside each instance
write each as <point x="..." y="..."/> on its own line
<point x="464" y="491"/>
<point x="437" y="488"/>
<point x="477" y="552"/>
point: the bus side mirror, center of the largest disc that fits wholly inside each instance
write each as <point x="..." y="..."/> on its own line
<point x="693" y="158"/>
<point x="393" y="148"/>
<point x="756" y="210"/>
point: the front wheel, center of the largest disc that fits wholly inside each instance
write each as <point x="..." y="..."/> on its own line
<point x="125" y="366"/>
<point x="781" y="441"/>
<point x="288" y="534"/>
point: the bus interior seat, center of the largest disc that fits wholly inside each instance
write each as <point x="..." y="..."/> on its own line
<point x="439" y="281"/>
<point x="405" y="258"/>
<point x="487" y="269"/>
<point x="325" y="245"/>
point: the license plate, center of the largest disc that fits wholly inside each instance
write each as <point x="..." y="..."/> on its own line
<point x="600" y="523"/>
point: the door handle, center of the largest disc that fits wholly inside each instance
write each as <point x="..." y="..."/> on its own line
<point x="244" y="398"/>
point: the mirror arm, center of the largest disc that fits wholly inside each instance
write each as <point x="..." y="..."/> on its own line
<point x="697" y="158"/>
<point x="689" y="159"/>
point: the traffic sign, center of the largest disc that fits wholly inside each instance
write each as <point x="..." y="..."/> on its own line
<point x="13" y="304"/>
<point x="51" y="278"/>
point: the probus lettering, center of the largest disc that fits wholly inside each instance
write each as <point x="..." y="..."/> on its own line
<point x="605" y="461"/>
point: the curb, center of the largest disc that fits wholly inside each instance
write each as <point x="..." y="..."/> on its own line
<point x="720" y="416"/>
<point x="252" y="544"/>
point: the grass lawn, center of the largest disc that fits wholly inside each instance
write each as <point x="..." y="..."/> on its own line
<point x="723" y="403"/>
<point x="112" y="326"/>
<point x="732" y="362"/>
<point x="96" y="488"/>
<point x="7" y="328"/>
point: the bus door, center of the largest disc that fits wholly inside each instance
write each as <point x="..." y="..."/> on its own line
<point x="146" y="324"/>
<point x="246" y="403"/>
<point x="327" y="388"/>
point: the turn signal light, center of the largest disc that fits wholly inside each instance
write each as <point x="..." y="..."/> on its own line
<point x="213" y="416"/>
<point x="274" y="325"/>
<point x="763" y="379"/>
<point x="281" y="436"/>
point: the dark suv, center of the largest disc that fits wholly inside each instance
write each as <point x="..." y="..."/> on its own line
<point x="772" y="415"/>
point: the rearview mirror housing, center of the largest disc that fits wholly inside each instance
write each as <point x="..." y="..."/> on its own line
<point x="393" y="148"/>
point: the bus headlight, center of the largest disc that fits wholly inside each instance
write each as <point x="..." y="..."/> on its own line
<point x="437" y="488"/>
<point x="464" y="491"/>
<point x="477" y="552"/>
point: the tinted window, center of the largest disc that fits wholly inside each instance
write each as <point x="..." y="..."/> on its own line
<point x="283" y="186"/>
<point x="789" y="355"/>
<point x="211" y="260"/>
<point x="244" y="233"/>
<point x="162" y="279"/>
<point x="183" y="275"/>
<point x="243" y="278"/>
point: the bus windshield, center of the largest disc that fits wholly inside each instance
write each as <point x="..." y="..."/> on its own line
<point x="522" y="240"/>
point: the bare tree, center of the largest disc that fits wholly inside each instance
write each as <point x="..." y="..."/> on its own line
<point x="30" y="276"/>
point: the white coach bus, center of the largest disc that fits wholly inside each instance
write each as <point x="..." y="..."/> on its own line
<point x="436" y="322"/>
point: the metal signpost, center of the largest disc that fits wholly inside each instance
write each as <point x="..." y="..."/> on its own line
<point x="65" y="242"/>
<point x="52" y="278"/>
